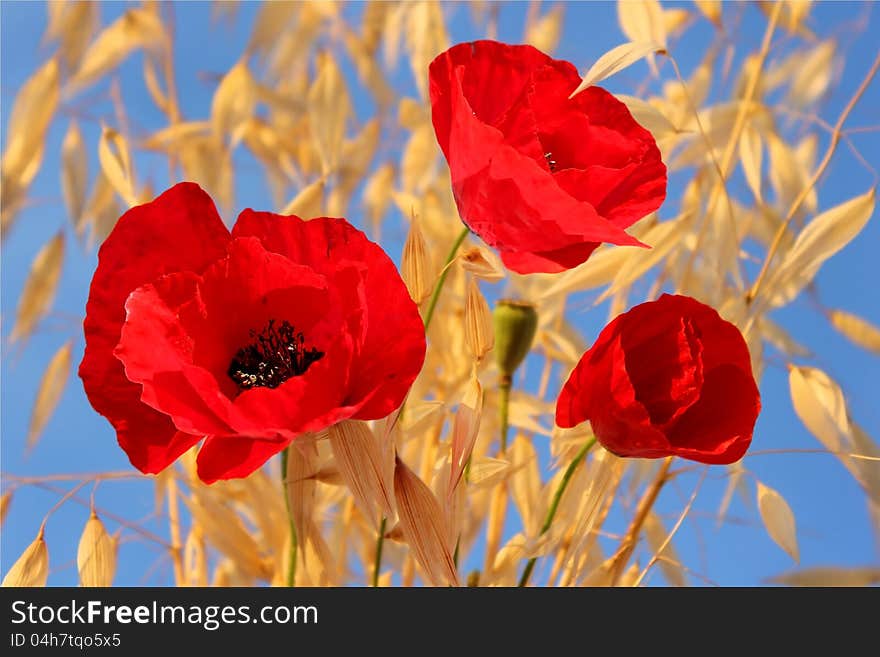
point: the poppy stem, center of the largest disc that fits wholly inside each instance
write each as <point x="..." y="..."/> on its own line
<point x="380" y="542"/>
<point x="554" y="504"/>
<point x="291" y="570"/>
<point x="504" y="409"/>
<point x="432" y="306"/>
<point x="435" y="295"/>
<point x="499" y="499"/>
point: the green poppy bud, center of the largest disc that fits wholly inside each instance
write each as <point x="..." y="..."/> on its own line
<point x="515" y="326"/>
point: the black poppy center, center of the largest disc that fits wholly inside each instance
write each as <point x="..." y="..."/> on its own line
<point x="277" y="353"/>
<point x="551" y="162"/>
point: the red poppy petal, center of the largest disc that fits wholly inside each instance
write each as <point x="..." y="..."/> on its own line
<point x="622" y="196"/>
<point x="269" y="285"/>
<point x="654" y="357"/>
<point x="718" y="428"/>
<point x="550" y="262"/>
<point x="593" y="372"/>
<point x="251" y="286"/>
<point x="545" y="199"/>
<point x="156" y="346"/>
<point x="179" y="231"/>
<point x="630" y="193"/>
<point x="600" y="385"/>
<point x="393" y="349"/>
<point x="609" y="160"/>
<point x="723" y="343"/>
<point x="470" y="142"/>
<point x="538" y="175"/>
<point x="180" y="347"/>
<point x="324" y="244"/>
<point x="150" y="439"/>
<point x="520" y="130"/>
<point x="623" y="424"/>
<point x="606" y="134"/>
<point x="537" y="215"/>
<point x="234" y="457"/>
<point x="492" y="77"/>
<point x="664" y="362"/>
<point x="309" y="402"/>
<point x="390" y="351"/>
<point x="639" y="440"/>
<point x="599" y="390"/>
<point x="515" y="226"/>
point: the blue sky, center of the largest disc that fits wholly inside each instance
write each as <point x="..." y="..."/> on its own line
<point x="833" y="525"/>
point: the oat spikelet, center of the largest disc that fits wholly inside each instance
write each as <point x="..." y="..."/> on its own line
<point x="328" y="108"/>
<point x="74" y="173"/>
<point x="49" y="393"/>
<point x="301" y="483"/>
<point x="39" y="290"/>
<point x="416" y="266"/>
<point x="32" y="567"/>
<point x="194" y="557"/>
<point x="495" y="523"/>
<point x="5" y="502"/>
<point x="363" y="467"/>
<point x="424" y="527"/>
<point x="479" y="330"/>
<point x="96" y="555"/>
<point x="29" y="121"/>
<point x="136" y="28"/>
<point x="225" y="530"/>
<point x="482" y="264"/>
<point x="308" y="202"/>
<point x="115" y="158"/>
<point x="234" y="99"/>
<point x="858" y="330"/>
<point x="465" y="428"/>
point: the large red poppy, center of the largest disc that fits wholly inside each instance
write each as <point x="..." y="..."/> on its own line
<point x="541" y="177"/>
<point x="667" y="378"/>
<point x="245" y="339"/>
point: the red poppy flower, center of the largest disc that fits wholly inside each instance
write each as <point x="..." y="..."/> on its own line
<point x="667" y="378"/>
<point x="541" y="177"/>
<point x="245" y="339"/>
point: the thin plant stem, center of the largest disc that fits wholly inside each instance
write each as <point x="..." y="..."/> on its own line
<point x="134" y="527"/>
<point x="429" y="315"/>
<point x="687" y="509"/>
<point x="380" y="542"/>
<point x="554" y="504"/>
<point x="829" y="153"/>
<point x="500" y="495"/>
<point x="628" y="544"/>
<point x="176" y="548"/>
<point x="291" y="570"/>
<point x="435" y="295"/>
<point x="504" y="409"/>
<point x="723" y="168"/>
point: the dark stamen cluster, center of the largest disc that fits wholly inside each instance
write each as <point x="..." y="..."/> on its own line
<point x="277" y="353"/>
<point x="550" y="161"/>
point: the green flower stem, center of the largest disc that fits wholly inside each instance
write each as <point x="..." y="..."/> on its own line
<point x="380" y="542"/>
<point x="435" y="295"/>
<point x="432" y="306"/>
<point x="554" y="505"/>
<point x="504" y="409"/>
<point x="291" y="570"/>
